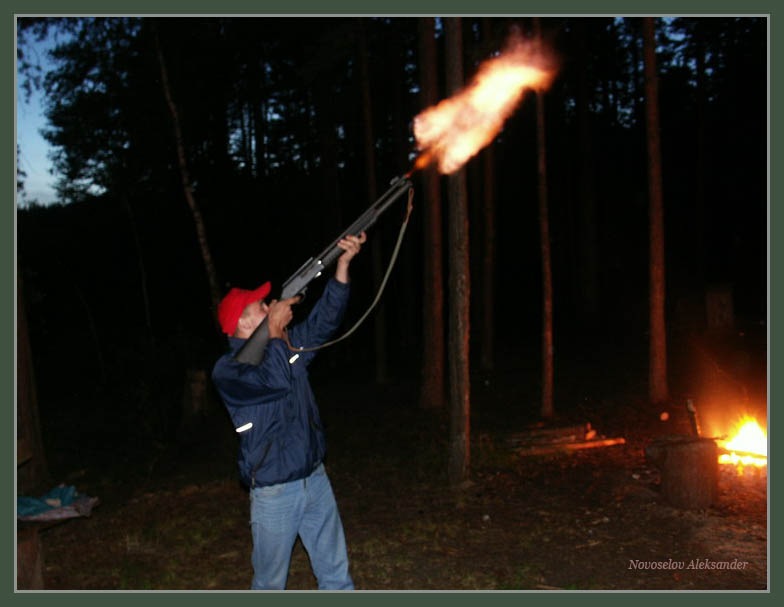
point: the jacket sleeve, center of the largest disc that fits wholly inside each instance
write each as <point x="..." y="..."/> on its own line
<point x="324" y="319"/>
<point x="241" y="384"/>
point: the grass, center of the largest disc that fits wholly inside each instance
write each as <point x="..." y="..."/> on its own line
<point x="523" y="578"/>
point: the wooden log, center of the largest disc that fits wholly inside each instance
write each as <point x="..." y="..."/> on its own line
<point x="689" y="471"/>
<point x="559" y="431"/>
<point x="739" y="453"/>
<point x="574" y="446"/>
<point x="531" y="441"/>
<point x="539" y="435"/>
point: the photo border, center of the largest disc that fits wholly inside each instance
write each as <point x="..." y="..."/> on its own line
<point x="399" y="8"/>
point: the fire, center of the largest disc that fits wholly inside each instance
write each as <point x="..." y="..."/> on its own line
<point x="748" y="446"/>
<point x="454" y="131"/>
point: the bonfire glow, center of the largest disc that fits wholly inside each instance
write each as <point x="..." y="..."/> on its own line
<point x="454" y="131"/>
<point x="748" y="446"/>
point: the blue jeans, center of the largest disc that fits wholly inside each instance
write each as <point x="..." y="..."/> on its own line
<point x="307" y="508"/>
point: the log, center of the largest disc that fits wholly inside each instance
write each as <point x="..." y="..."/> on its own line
<point x="542" y="431"/>
<point x="530" y="441"/>
<point x="574" y="446"/>
<point x="738" y="452"/>
<point x="689" y="471"/>
<point x="549" y="435"/>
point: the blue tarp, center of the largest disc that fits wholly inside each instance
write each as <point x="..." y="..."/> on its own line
<point x="60" y="503"/>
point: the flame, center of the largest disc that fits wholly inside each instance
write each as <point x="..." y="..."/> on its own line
<point x="752" y="443"/>
<point x="454" y="130"/>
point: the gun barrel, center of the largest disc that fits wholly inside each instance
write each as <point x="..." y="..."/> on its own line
<point x="317" y="264"/>
<point x="369" y="217"/>
<point x="251" y="352"/>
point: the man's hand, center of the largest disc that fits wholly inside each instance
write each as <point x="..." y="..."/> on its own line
<point x="280" y="315"/>
<point x="351" y="245"/>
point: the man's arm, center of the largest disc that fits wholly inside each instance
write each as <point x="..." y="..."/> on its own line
<point x="326" y="315"/>
<point x="351" y="245"/>
<point x="279" y="316"/>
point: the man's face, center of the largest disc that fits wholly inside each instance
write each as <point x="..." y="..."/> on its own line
<point x="255" y="313"/>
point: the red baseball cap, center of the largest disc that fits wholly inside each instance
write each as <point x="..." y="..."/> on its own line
<point x="230" y="308"/>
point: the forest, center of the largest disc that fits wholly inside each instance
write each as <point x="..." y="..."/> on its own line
<point x="196" y="154"/>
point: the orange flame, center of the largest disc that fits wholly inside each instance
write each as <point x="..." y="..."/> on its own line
<point x="748" y="446"/>
<point x="454" y="131"/>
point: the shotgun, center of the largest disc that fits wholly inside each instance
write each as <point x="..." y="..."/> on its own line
<point x="253" y="349"/>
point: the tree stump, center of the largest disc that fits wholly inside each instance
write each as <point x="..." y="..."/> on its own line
<point x="689" y="470"/>
<point x="196" y="407"/>
<point x="194" y="400"/>
<point x="719" y="309"/>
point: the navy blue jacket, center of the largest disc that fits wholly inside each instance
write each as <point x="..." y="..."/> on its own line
<point x="272" y="405"/>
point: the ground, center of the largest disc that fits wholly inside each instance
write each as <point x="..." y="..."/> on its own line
<point x="592" y="519"/>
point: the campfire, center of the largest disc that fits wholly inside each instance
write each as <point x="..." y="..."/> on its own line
<point x="747" y="445"/>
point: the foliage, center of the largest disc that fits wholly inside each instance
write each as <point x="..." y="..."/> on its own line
<point x="270" y="109"/>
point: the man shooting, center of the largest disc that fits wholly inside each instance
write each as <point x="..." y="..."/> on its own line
<point x="282" y="443"/>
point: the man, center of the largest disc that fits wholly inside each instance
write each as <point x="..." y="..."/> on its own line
<point x="281" y="440"/>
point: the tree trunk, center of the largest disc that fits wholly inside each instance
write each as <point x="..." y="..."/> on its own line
<point x="657" y="370"/>
<point x="547" y="409"/>
<point x="69" y="278"/>
<point x="32" y="471"/>
<point x="245" y="128"/>
<point x="187" y="187"/>
<point x="702" y="107"/>
<point x="432" y="388"/>
<point x="634" y="26"/>
<point x="406" y="315"/>
<point x="486" y="357"/>
<point x="140" y="263"/>
<point x="328" y="145"/>
<point x="257" y="85"/>
<point x="29" y="559"/>
<point x="587" y="240"/>
<point x="459" y="284"/>
<point x="379" y="318"/>
<point x="32" y="468"/>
